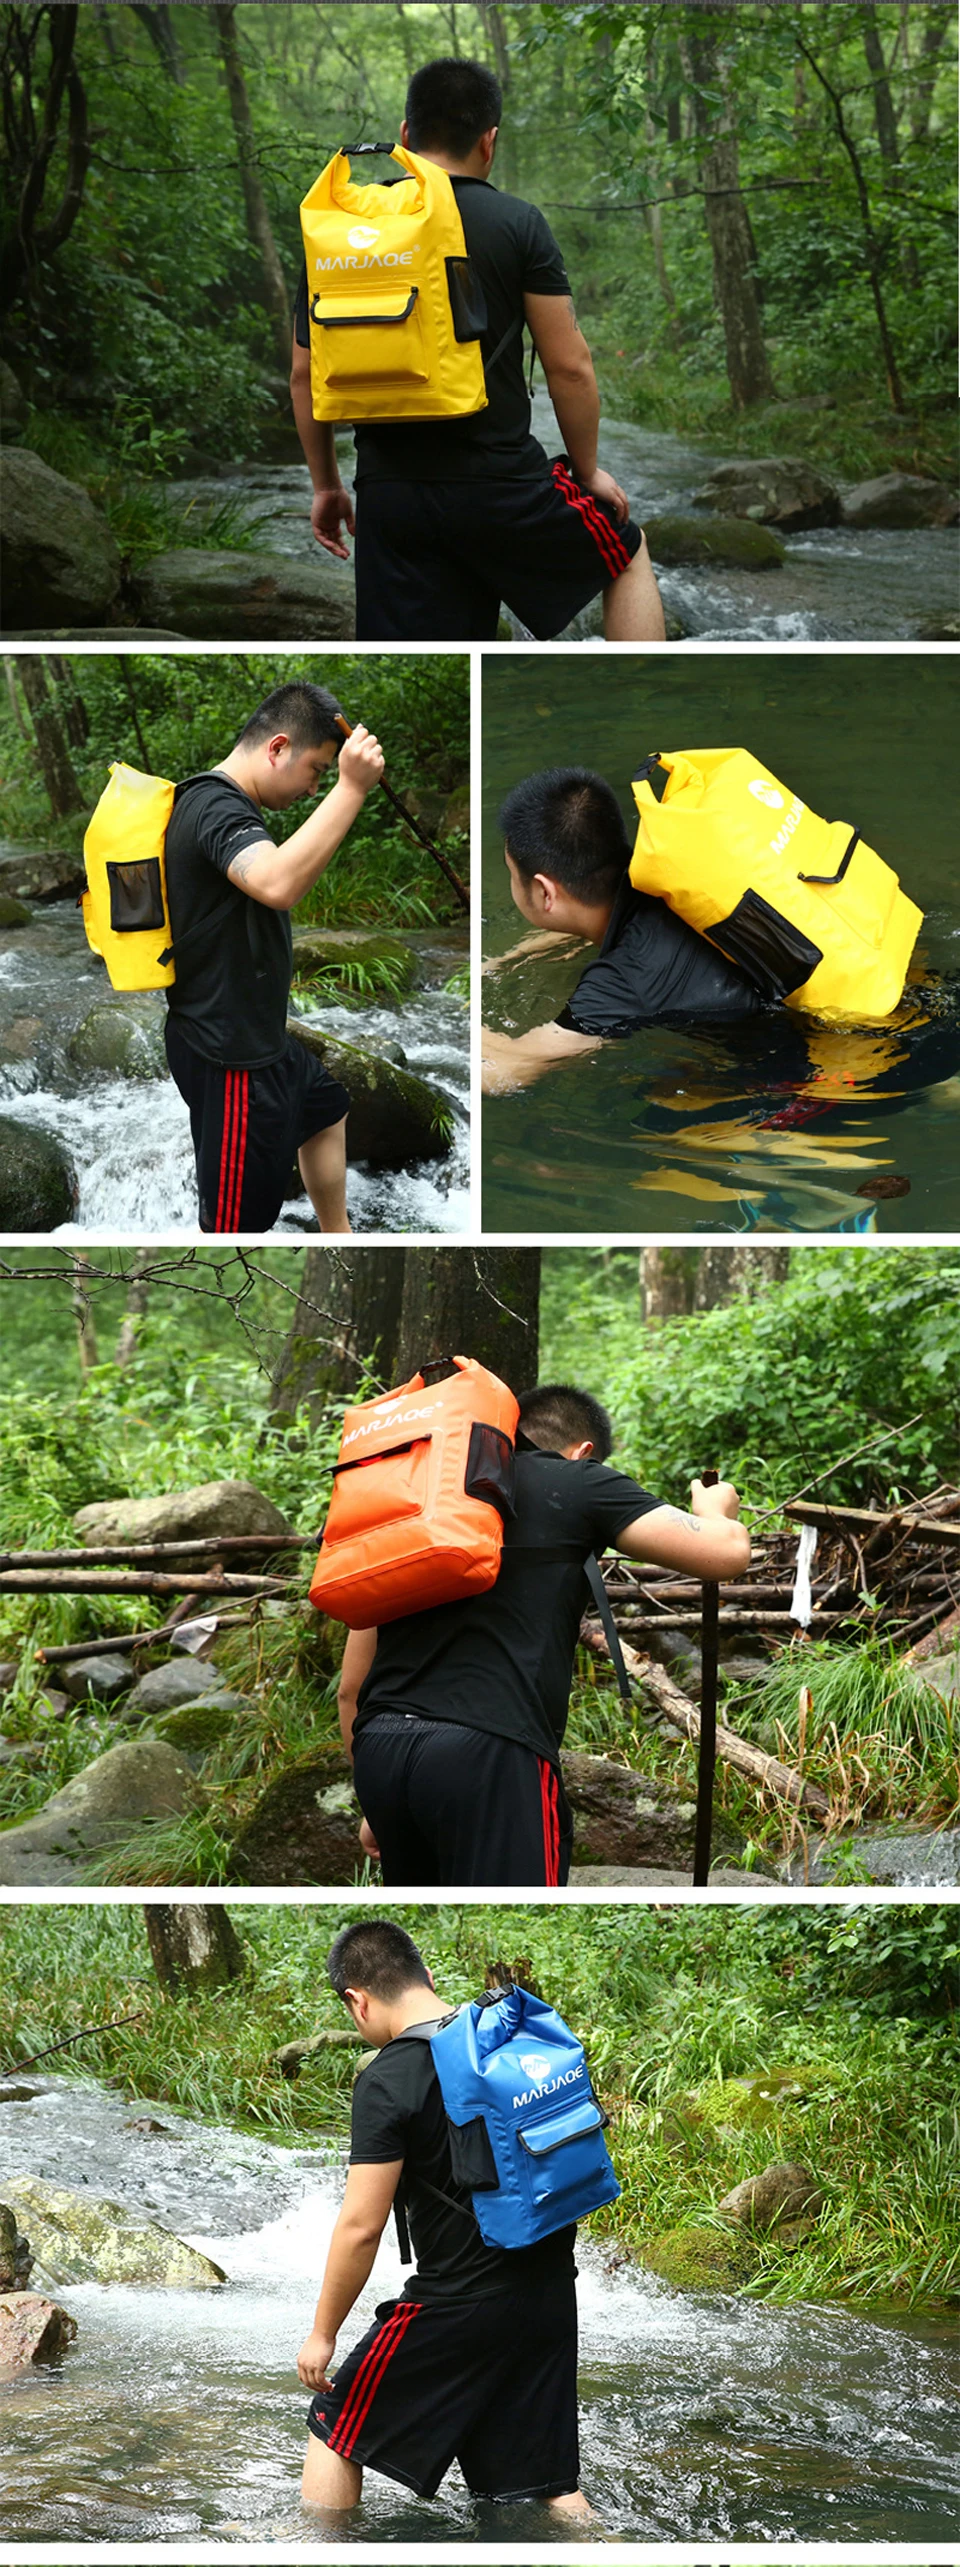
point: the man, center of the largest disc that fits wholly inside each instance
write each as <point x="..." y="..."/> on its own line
<point x="454" y="515"/>
<point x="455" y="1717"/>
<point x="258" y="1099"/>
<point x="476" y="2360"/>
<point x="568" y="855"/>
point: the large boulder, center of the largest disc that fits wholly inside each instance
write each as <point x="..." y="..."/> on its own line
<point x="395" y="1117"/>
<point x="38" y="1187"/>
<point x="252" y="597"/>
<point x="783" y="2194"/>
<point x="79" y="2238"/>
<point x="695" y="2257"/>
<point x="104" y="1677"/>
<point x="127" y="1787"/>
<point x="32" y="2329"/>
<point x="58" y="559"/>
<point x="16" y="2259"/>
<point x="13" y="912"/>
<point x="901" y="499"/>
<point x="13" y="401"/>
<point x="32" y="873"/>
<point x="623" y="1819"/>
<point x="166" y="1688"/>
<point x="121" y="1037"/>
<point x="733" y="543"/>
<point x="304" y="1830"/>
<point x="188" y="1515"/>
<point x="773" y="490"/>
<point x="347" y="953"/>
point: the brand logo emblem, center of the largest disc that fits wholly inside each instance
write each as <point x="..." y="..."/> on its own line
<point x="362" y="236"/>
<point x="764" y="792"/>
<point x="534" y="2065"/>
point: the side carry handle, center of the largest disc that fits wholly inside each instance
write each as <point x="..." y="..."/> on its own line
<point x="827" y="879"/>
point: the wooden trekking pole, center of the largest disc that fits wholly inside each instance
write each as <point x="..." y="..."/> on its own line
<point x="453" y="878"/>
<point x="707" y="1759"/>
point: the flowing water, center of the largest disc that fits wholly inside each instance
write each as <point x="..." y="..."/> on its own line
<point x="178" y="2415"/>
<point x="129" y="1139"/>
<point x="837" y="583"/>
<point x="766" y="1127"/>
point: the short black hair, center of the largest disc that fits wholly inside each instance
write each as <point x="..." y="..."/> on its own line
<point x="557" y="1414"/>
<point x="307" y="713"/>
<point x="450" y="104"/>
<point x="377" y="1956"/>
<point x="567" y="822"/>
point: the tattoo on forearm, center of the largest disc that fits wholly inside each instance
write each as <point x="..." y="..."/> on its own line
<point x="571" y="307"/>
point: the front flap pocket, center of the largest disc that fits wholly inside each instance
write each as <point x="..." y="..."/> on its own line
<point x="558" y="2129"/>
<point x="381" y="1490"/>
<point x="376" y="335"/>
<point x="765" y="945"/>
<point x="136" y="896"/>
<point x="491" y="1468"/>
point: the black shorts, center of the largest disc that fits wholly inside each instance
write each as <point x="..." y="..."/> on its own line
<point x="489" y="2382"/>
<point x="247" y="1126"/>
<point x="434" y="560"/>
<point x="453" y="1807"/>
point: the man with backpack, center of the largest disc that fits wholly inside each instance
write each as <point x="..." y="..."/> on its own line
<point x="259" y="1100"/>
<point x="476" y="2359"/>
<point x="455" y="1716"/>
<point x="454" y="514"/>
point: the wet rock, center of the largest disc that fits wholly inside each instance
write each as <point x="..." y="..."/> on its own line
<point x="395" y="1117"/>
<point x="79" y="2238"/>
<point x="773" y="491"/>
<point x="784" y="2191"/>
<point x="622" y="1818"/>
<point x="128" y="1786"/>
<point x="13" y="913"/>
<point x="104" y="1677"/>
<point x="199" y="1727"/>
<point x="697" y="2258"/>
<point x="20" y="1751"/>
<point x="166" y="1688"/>
<point x="38" y="1188"/>
<point x="677" y="1651"/>
<point x="189" y="1515"/>
<point x="33" y="873"/>
<point x="255" y="596"/>
<point x="901" y="499"/>
<point x="334" y="949"/>
<point x="919" y="1858"/>
<point x="304" y="1829"/>
<point x="18" y="1039"/>
<point x="13" y="401"/>
<point x="938" y="628"/>
<point x="122" y="1038"/>
<point x="58" y="559"/>
<point x="32" y="2329"/>
<point x="658" y="1876"/>
<point x="733" y="542"/>
<point x="16" y="2259"/>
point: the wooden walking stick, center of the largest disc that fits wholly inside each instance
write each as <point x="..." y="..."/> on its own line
<point x="707" y="1759"/>
<point x="453" y="878"/>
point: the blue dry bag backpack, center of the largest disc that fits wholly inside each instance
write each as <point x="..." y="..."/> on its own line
<point x="525" y="2127"/>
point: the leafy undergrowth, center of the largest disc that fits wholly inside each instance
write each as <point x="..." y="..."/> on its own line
<point x="720" y="2039"/>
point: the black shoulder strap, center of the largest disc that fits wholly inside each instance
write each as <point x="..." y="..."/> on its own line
<point x="202" y="927"/>
<point x="517" y="324"/>
<point x="417" y="2032"/>
<point x="591" y="1571"/>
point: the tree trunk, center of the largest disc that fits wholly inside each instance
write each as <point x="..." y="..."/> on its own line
<point x="83" y="1316"/>
<point x="936" y="23"/>
<point x="664" y="1284"/>
<point x="491" y="17"/>
<point x="873" y="248"/>
<point x="724" y="1273"/>
<point x="883" y="108"/>
<point x="156" y="17"/>
<point x="728" y="223"/>
<point x="56" y="766"/>
<point x="130" y="692"/>
<point x="192" y="1948"/>
<point x="76" y="720"/>
<point x="346" y="1322"/>
<point x="31" y="151"/>
<point x="138" y="1294"/>
<point x="472" y="1301"/>
<point x="258" y="220"/>
<point x="16" y="708"/>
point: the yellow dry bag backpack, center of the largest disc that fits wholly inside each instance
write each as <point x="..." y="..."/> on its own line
<point x="125" y="909"/>
<point x="800" y="905"/>
<point x="395" y="309"/>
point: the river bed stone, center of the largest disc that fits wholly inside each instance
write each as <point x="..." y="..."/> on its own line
<point x="122" y="1038"/>
<point x="900" y="499"/>
<point x="733" y="542"/>
<point x="242" y="596"/>
<point x="37" y="1183"/>
<point x="773" y="490"/>
<point x="58" y="558"/>
<point x="783" y="2193"/>
<point x="166" y="1688"/>
<point x="395" y="1117"/>
<point x="78" y="2238"/>
<point x="32" y="2329"/>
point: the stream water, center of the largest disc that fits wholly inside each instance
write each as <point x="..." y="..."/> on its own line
<point x="836" y="583"/>
<point x="178" y="2415"/>
<point x="129" y="1138"/>
<point x="689" y="1131"/>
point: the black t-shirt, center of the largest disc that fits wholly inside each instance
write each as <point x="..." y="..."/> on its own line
<point x="503" y="1661"/>
<point x="650" y="965"/>
<point x="232" y="986"/>
<point x="398" y="2112"/>
<point x="513" y="252"/>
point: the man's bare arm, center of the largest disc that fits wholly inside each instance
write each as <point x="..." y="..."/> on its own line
<point x="367" y="2198"/>
<point x="358" y="1657"/>
<point x="513" y="1061"/>
<point x="571" y="381"/>
<point x="279" y="876"/>
<point x="332" y="504"/>
<point x="709" y="1543"/>
<point x="545" y="940"/>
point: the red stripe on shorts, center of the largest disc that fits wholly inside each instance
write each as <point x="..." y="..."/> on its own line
<point x="371" y="2371"/>
<point x="613" y="552"/>
<point x="224" y="1146"/>
<point x="240" y="1151"/>
<point x="550" y="1810"/>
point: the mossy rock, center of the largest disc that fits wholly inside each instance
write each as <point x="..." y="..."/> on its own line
<point x="13" y="913"/>
<point x="733" y="543"/>
<point x="121" y="1041"/>
<point x="81" y="2239"/>
<point x="198" y="1727"/>
<point x="304" y="1829"/>
<point x="38" y="1188"/>
<point x="395" y="1118"/>
<point x="697" y="2258"/>
<point x="749" y="2103"/>
<point x="332" y="950"/>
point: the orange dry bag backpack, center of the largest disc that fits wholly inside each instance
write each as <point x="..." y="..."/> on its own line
<point x="423" y="1481"/>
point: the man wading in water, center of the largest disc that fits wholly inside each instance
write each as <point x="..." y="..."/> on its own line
<point x="454" y="515"/>
<point x="259" y="1100"/>
<point x="476" y="2361"/>
<point x="455" y="1717"/>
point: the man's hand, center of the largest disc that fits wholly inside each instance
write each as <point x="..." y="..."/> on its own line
<point x="369" y="1842"/>
<point x="327" y="509"/>
<point x="512" y="1061"/>
<point x="314" y="2359"/>
<point x="361" y="761"/>
<point x="601" y="485"/>
<point x="721" y="1499"/>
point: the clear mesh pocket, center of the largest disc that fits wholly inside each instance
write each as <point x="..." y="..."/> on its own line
<point x="136" y="896"/>
<point x="491" y="1465"/>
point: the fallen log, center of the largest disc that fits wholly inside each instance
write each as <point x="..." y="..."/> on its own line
<point x="730" y="1621"/>
<point x="152" y="1639"/>
<point x="865" y="1519"/>
<point x="103" y="1554"/>
<point x="140" y="1582"/>
<point x="683" y="1715"/>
